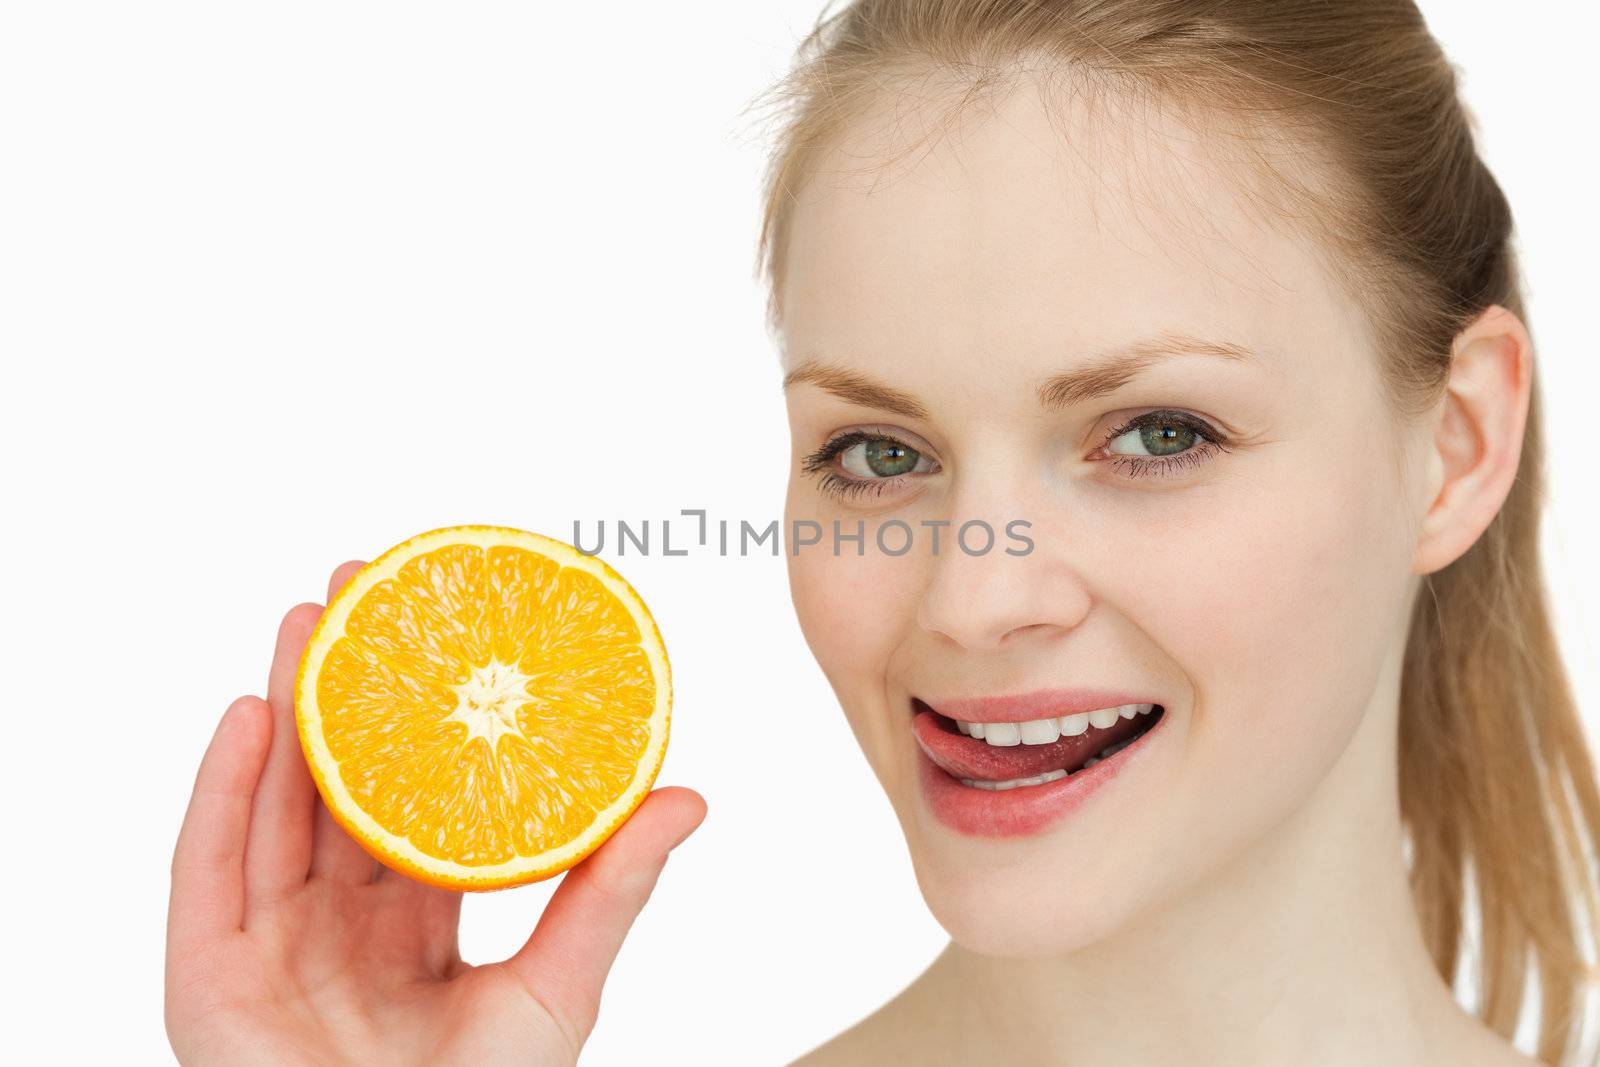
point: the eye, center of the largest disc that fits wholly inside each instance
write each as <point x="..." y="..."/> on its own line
<point x="1159" y="442"/>
<point x="861" y="461"/>
<point x="881" y="457"/>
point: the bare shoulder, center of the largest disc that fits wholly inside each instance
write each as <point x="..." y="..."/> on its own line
<point x="1507" y="1055"/>
<point x="842" y="1050"/>
<point x="1486" y="1048"/>
<point x="900" y="1032"/>
<point x="1501" y="1055"/>
<point x="868" y="1043"/>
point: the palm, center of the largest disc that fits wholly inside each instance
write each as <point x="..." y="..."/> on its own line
<point x="287" y="942"/>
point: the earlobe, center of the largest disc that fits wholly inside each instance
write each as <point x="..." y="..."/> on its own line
<point x="1477" y="443"/>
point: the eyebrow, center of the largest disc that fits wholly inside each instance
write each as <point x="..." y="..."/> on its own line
<point x="1112" y="370"/>
<point x="854" y="388"/>
<point x="1105" y="373"/>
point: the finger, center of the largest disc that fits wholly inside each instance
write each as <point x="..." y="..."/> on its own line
<point x="335" y="855"/>
<point x="278" y="857"/>
<point x="582" y="928"/>
<point x="207" y="897"/>
<point x="432" y="917"/>
<point x="342" y="574"/>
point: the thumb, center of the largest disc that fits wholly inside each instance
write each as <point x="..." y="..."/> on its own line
<point x="567" y="957"/>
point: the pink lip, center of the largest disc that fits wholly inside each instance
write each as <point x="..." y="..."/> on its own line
<point x="1024" y="810"/>
<point x="1039" y="704"/>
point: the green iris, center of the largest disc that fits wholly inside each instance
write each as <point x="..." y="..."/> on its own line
<point x="887" y="458"/>
<point x="1166" y="439"/>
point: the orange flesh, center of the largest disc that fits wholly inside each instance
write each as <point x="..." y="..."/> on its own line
<point x="486" y="704"/>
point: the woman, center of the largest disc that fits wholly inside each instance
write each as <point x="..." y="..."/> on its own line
<point x="1208" y="313"/>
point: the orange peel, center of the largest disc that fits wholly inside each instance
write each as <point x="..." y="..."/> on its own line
<point x="482" y="706"/>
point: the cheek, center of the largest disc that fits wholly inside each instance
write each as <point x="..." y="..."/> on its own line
<point x="1283" y="603"/>
<point x="856" y="613"/>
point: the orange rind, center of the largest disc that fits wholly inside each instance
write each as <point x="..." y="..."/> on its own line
<point x="482" y="706"/>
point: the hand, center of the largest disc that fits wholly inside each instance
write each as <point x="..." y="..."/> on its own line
<point x="288" y="943"/>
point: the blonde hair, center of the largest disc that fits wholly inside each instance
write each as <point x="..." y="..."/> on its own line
<point x="1497" y="787"/>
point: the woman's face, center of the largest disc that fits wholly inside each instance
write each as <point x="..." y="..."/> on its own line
<point x="1255" y="587"/>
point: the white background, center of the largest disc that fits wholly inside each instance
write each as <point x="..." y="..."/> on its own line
<point x="283" y="284"/>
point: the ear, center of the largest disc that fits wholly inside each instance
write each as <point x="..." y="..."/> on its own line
<point x="1477" y="444"/>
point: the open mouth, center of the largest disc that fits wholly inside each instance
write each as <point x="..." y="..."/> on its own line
<point x="1010" y="755"/>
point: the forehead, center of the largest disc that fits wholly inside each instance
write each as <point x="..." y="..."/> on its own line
<point x="1037" y="225"/>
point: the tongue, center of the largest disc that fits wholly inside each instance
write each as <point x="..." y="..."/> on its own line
<point x="971" y="757"/>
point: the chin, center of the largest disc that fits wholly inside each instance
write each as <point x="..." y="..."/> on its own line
<point x="1071" y="880"/>
<point x="1014" y="911"/>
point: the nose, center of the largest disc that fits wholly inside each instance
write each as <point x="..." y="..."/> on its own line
<point x="993" y="599"/>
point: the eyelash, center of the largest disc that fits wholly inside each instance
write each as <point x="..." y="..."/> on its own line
<point x="1211" y="442"/>
<point x="840" y="486"/>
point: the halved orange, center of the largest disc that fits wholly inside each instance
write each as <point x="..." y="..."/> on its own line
<point x="482" y="706"/>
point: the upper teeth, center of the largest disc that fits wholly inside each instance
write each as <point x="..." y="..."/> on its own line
<point x="1044" y="731"/>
